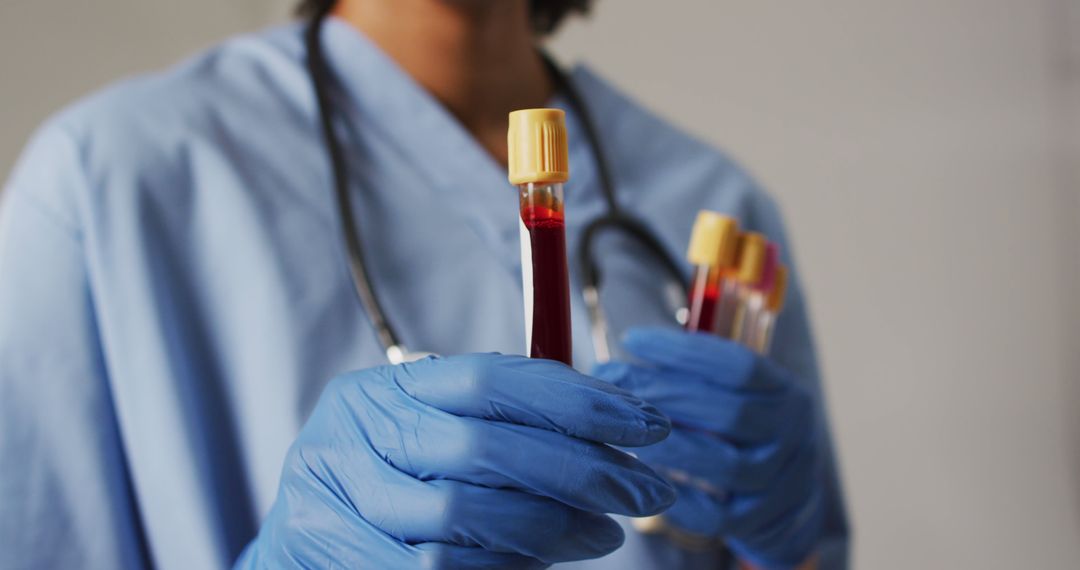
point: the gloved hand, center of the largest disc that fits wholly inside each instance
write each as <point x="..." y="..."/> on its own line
<point x="477" y="461"/>
<point x="742" y="451"/>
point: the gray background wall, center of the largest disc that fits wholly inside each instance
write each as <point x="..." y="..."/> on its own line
<point x="927" y="155"/>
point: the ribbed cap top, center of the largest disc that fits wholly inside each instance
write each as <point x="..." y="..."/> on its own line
<point x="712" y="241"/>
<point x="536" y="146"/>
<point x="751" y="257"/>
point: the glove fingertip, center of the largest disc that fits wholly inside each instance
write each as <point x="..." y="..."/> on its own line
<point x="607" y="535"/>
<point x="654" y="344"/>
<point x="611" y="372"/>
<point x="665" y="499"/>
<point x="659" y="426"/>
<point x="643" y="336"/>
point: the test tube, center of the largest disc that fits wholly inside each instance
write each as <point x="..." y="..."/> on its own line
<point x="538" y="165"/>
<point x="711" y="249"/>
<point x="766" y="319"/>
<point x="749" y="260"/>
<point x="754" y="298"/>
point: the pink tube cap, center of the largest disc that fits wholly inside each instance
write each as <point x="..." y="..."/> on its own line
<point x="768" y="269"/>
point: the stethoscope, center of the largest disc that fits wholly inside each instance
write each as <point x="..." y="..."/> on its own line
<point x="615" y="219"/>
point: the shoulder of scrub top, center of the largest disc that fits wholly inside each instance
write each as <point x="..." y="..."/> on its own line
<point x="156" y="125"/>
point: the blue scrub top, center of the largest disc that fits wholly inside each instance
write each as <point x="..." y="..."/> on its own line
<point x="174" y="291"/>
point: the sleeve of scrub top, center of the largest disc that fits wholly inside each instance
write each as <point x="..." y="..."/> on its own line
<point x="65" y="498"/>
<point x="793" y="347"/>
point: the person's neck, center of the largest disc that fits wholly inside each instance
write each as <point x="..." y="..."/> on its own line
<point x="477" y="57"/>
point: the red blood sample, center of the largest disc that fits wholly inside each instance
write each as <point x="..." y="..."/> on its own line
<point x="703" y="301"/>
<point x="551" y="287"/>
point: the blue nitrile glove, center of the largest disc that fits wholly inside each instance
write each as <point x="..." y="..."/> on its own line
<point x="742" y="450"/>
<point x="476" y="461"/>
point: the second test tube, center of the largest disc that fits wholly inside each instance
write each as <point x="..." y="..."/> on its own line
<point x="711" y="251"/>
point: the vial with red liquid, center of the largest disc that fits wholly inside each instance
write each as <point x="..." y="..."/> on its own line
<point x="765" y="322"/>
<point x="538" y="165"/>
<point x="749" y="264"/>
<point x="755" y="296"/>
<point x="711" y="251"/>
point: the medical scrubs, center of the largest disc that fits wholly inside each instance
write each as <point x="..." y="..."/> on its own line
<point x="174" y="290"/>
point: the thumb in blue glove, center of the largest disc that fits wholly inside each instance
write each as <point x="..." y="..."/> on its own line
<point x="742" y="452"/>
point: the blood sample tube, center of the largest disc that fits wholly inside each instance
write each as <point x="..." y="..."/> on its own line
<point x="538" y="165"/>
<point x="749" y="260"/>
<point x="754" y="301"/>
<point x="711" y="250"/>
<point x="766" y="320"/>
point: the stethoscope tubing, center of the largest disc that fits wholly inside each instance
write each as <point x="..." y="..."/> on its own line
<point x="613" y="219"/>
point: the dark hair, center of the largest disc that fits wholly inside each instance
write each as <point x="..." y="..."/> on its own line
<point x="546" y="14"/>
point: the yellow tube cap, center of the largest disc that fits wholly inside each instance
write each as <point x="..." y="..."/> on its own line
<point x="536" y="147"/>
<point x="775" y="302"/>
<point x="751" y="257"/>
<point x="712" y="241"/>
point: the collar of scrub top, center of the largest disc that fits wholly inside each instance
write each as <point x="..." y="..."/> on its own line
<point x="403" y="113"/>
